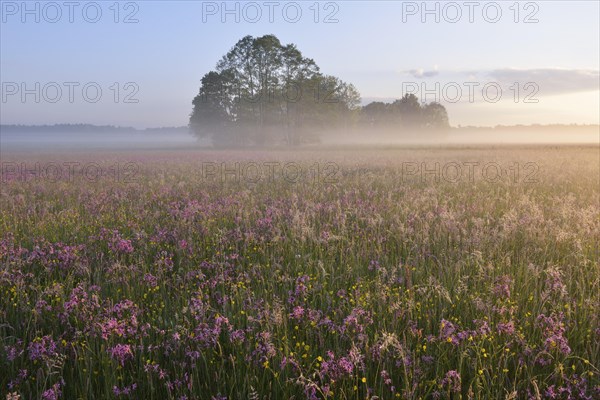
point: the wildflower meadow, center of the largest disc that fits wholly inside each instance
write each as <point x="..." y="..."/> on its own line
<point x="440" y="273"/>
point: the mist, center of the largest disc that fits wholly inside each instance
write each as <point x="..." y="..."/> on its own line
<point x="469" y="136"/>
<point x="59" y="141"/>
<point x="176" y="139"/>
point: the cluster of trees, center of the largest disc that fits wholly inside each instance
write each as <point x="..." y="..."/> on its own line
<point x="264" y="92"/>
<point x="405" y="113"/>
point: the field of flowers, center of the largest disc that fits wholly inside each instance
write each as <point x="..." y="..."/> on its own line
<point x="346" y="274"/>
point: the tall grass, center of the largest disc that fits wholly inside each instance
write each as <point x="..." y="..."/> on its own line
<point x="373" y="284"/>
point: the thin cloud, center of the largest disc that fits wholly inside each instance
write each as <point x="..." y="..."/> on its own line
<point x="421" y="73"/>
<point x="550" y="81"/>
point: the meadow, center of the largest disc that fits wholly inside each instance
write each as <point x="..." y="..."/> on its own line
<point x="406" y="273"/>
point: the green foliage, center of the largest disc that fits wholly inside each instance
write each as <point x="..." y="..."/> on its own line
<point x="405" y="113"/>
<point x="263" y="92"/>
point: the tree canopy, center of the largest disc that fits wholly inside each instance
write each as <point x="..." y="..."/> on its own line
<point x="262" y="92"/>
<point x="405" y="113"/>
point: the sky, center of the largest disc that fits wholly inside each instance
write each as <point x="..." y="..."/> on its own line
<point x="140" y="63"/>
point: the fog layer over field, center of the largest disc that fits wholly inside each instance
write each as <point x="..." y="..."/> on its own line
<point x="462" y="136"/>
<point x="73" y="140"/>
<point x="165" y="139"/>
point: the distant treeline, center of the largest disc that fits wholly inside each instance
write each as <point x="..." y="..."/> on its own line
<point x="87" y="128"/>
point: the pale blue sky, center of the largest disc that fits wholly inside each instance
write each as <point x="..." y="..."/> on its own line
<point x="168" y="51"/>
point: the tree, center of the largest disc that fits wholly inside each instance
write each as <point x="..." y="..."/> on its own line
<point x="376" y="113"/>
<point x="405" y="113"/>
<point x="408" y="110"/>
<point x="268" y="92"/>
<point x="211" y="116"/>
<point x="436" y="116"/>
